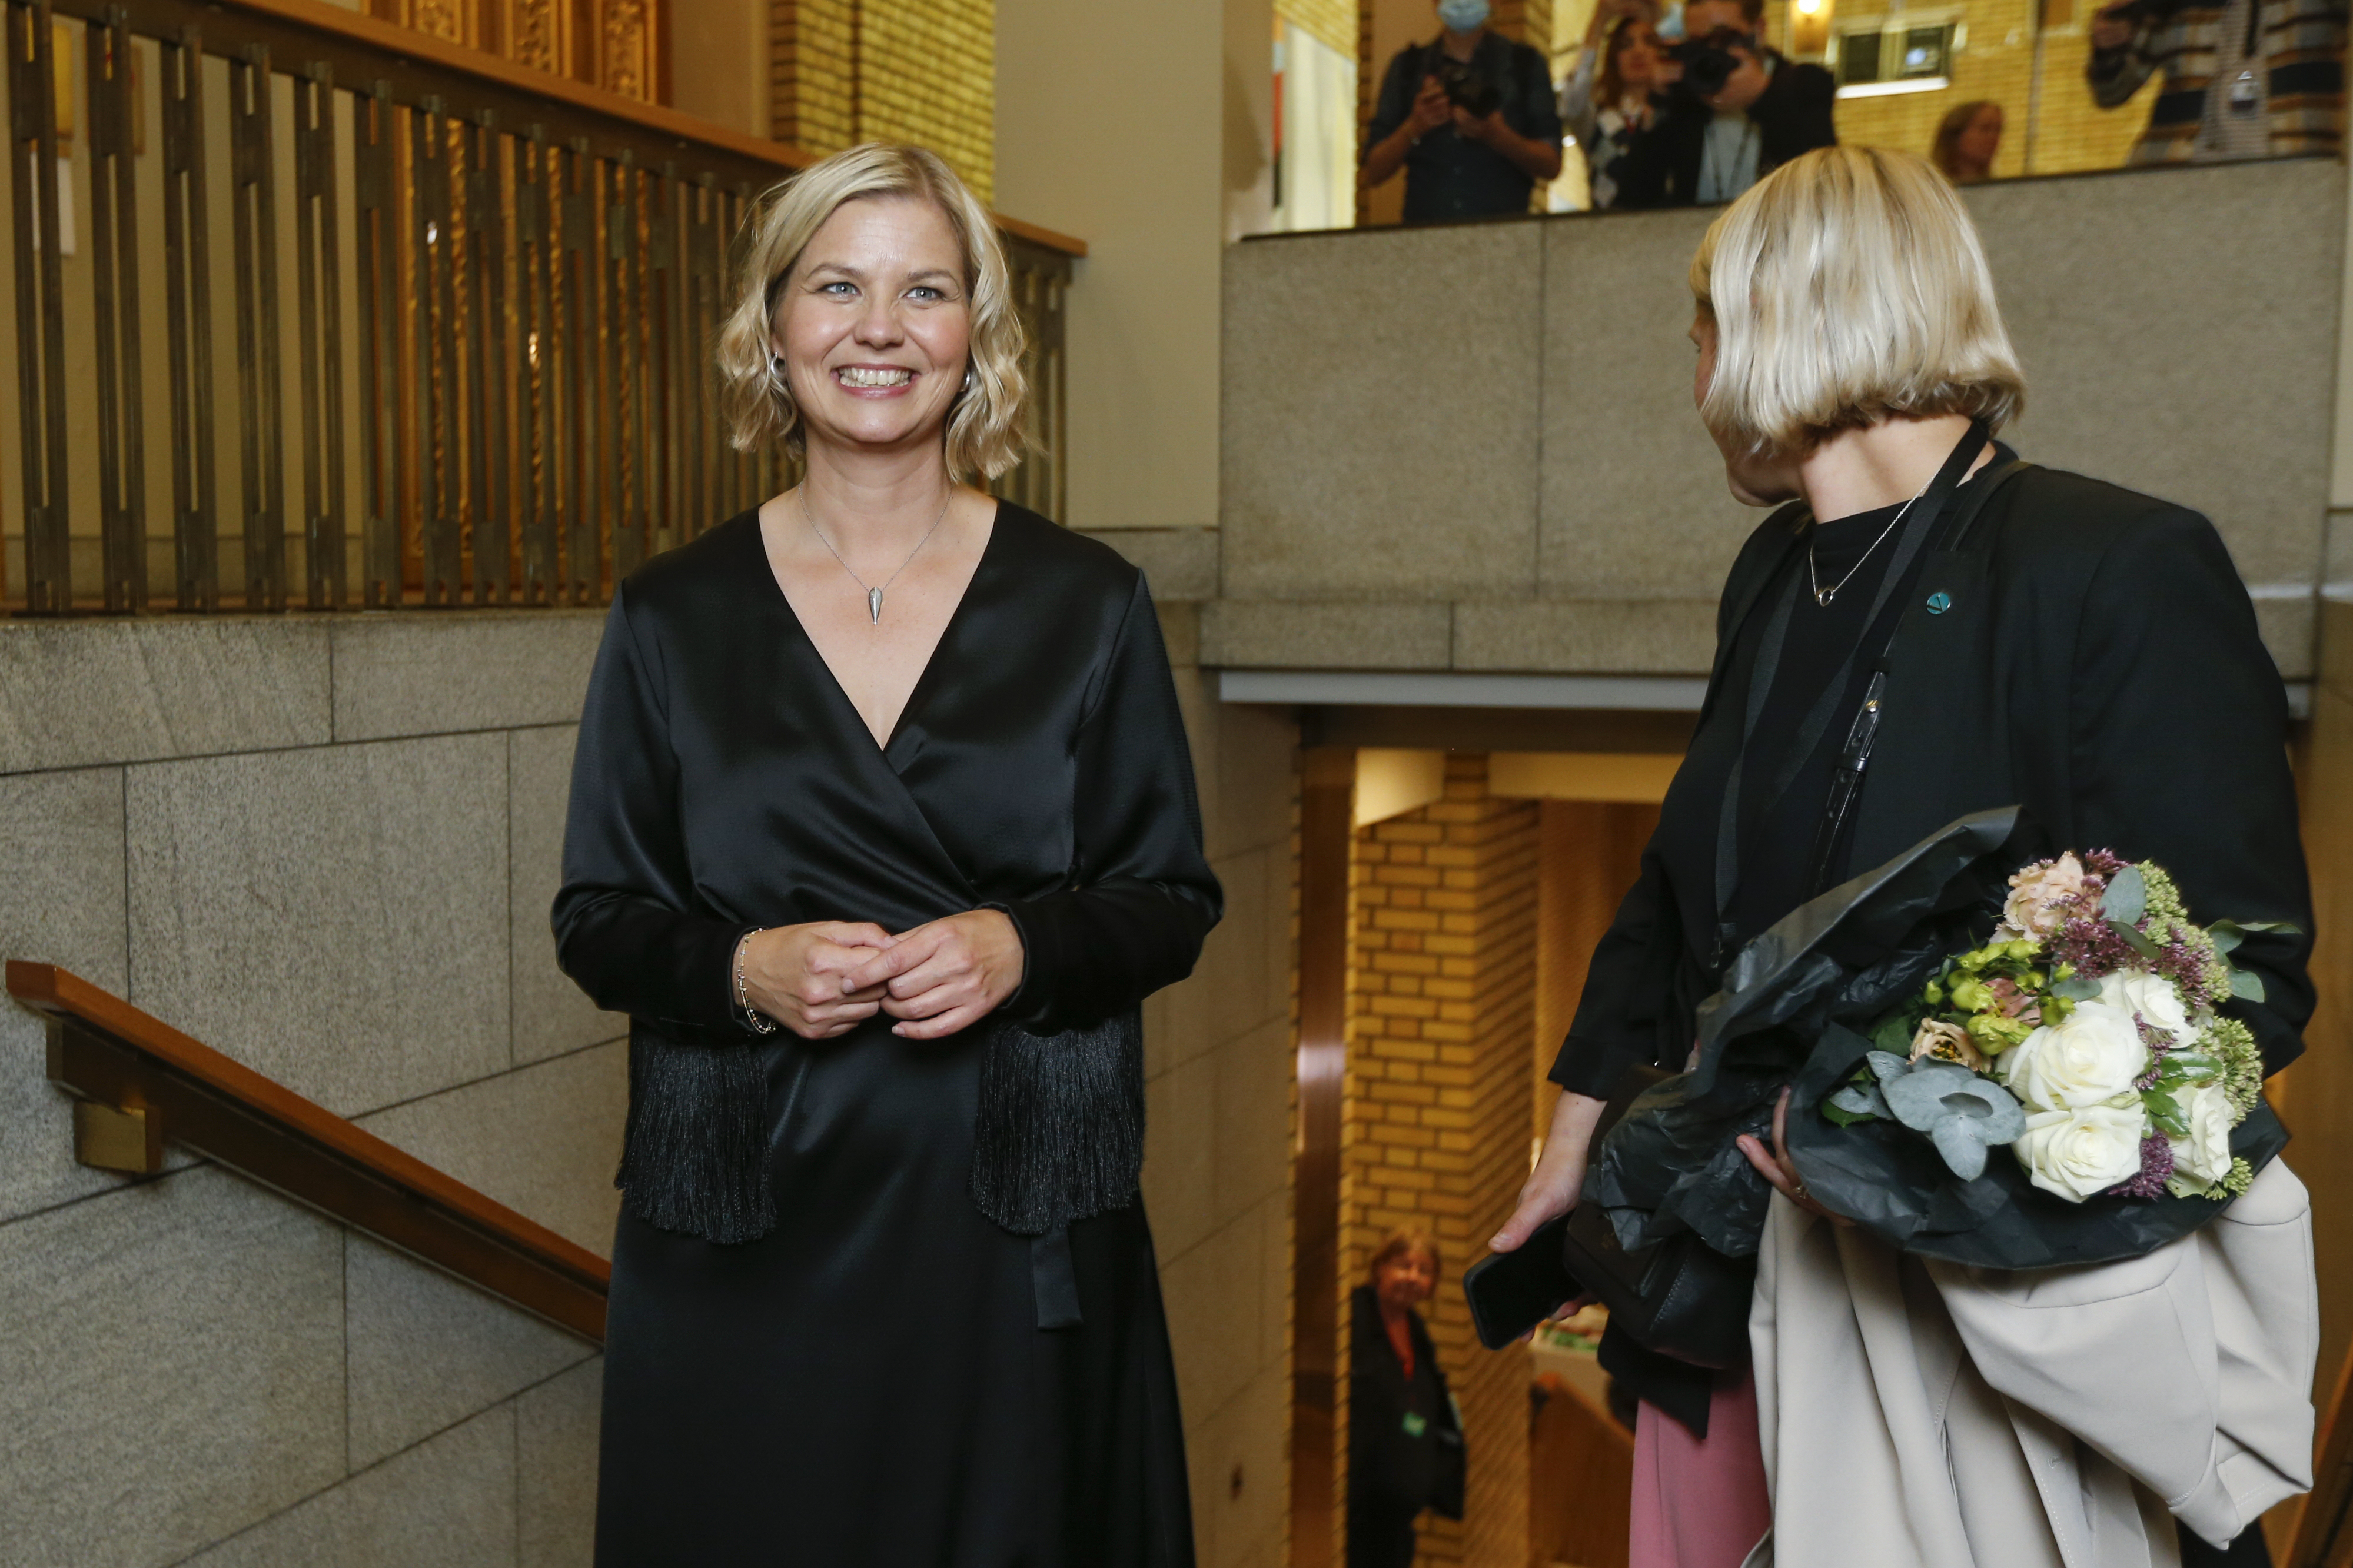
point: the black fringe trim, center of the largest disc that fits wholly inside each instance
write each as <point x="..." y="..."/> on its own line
<point x="1059" y="1134"/>
<point x="695" y="1160"/>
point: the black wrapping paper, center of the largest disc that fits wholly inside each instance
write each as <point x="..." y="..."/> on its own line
<point x="1792" y="1010"/>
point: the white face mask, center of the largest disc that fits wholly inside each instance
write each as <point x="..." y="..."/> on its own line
<point x="1462" y="16"/>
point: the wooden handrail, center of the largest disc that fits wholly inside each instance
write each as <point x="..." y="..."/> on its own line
<point x="141" y="1083"/>
<point x="360" y="50"/>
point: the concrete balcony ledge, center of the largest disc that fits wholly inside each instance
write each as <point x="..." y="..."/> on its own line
<point x="1541" y="636"/>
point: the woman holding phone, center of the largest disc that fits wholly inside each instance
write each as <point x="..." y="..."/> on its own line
<point x="1852" y="365"/>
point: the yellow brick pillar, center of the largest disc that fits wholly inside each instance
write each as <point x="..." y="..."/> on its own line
<point x="846" y="72"/>
<point x="1442" y="999"/>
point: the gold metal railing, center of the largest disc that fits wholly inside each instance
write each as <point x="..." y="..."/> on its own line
<point x="493" y="386"/>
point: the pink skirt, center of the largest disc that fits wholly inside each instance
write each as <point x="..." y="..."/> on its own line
<point x="1700" y="1502"/>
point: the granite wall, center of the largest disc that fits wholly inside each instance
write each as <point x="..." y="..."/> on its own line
<point x="1472" y="448"/>
<point x="327" y="847"/>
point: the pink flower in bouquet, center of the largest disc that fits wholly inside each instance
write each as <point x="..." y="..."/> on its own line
<point x="2041" y="895"/>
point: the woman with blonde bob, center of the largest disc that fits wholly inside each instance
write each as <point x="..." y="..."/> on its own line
<point x="1926" y="627"/>
<point x="882" y="827"/>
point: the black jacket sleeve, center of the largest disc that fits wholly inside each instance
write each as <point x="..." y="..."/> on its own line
<point x="1142" y="898"/>
<point x="1795" y="113"/>
<point x="2178" y="752"/>
<point x="624" y="927"/>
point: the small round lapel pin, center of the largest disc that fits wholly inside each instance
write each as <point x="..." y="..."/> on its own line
<point x="1939" y="602"/>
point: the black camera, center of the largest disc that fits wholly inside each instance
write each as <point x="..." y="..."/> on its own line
<point x="1708" y="63"/>
<point x="1467" y="87"/>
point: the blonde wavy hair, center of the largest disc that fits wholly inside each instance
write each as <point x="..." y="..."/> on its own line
<point x="1848" y="286"/>
<point x="987" y="430"/>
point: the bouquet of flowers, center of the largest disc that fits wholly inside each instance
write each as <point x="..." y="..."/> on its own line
<point x="1944" y="1004"/>
<point x="2084" y="1035"/>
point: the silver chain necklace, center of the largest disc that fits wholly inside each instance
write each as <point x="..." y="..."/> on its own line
<point x="1822" y="595"/>
<point x="875" y="595"/>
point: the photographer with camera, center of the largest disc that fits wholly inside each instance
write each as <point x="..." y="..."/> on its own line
<point x="1471" y="119"/>
<point x="1738" y="111"/>
<point x="2247" y="79"/>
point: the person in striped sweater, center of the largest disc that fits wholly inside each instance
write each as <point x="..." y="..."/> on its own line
<point x="2244" y="78"/>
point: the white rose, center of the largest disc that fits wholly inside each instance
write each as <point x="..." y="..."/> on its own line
<point x="2154" y="998"/>
<point x="2095" y="1055"/>
<point x="2203" y="1157"/>
<point x="2080" y="1153"/>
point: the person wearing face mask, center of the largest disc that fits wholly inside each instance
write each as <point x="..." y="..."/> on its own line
<point x="1405" y="1439"/>
<point x="1469" y="117"/>
<point x="1722" y="131"/>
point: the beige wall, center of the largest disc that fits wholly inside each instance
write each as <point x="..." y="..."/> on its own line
<point x="1132" y="160"/>
<point x="719" y="62"/>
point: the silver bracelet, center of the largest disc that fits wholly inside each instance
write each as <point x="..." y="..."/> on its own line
<point x="759" y="1025"/>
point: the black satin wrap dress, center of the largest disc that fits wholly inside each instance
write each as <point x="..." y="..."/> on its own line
<point x="867" y="1384"/>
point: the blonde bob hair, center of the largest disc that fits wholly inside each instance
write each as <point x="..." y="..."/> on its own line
<point x="1848" y="286"/>
<point x="987" y="424"/>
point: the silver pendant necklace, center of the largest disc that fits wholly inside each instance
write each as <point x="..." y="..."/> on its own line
<point x="873" y="595"/>
<point x="1822" y="595"/>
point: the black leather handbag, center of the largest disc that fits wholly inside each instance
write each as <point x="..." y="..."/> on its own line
<point x="1679" y="1297"/>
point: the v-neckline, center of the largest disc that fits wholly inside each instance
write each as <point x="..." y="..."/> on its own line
<point x="931" y="661"/>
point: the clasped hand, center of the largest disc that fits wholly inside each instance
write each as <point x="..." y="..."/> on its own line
<point x="823" y="979"/>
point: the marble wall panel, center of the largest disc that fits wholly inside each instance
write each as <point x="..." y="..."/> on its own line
<point x="1613" y="636"/>
<point x="336" y="916"/>
<point x="171" y="1370"/>
<point x="60" y="903"/>
<point x="1253" y="1117"/>
<point x="1237" y="1454"/>
<point x="543" y="1140"/>
<point x="1180" y="1154"/>
<point x="75" y="693"/>
<point x="1267" y="634"/>
<point x="551" y="1014"/>
<point x="1219" y="1319"/>
<point x="1378" y="419"/>
<point x="1634" y="499"/>
<point x="446" y="1503"/>
<point x="425" y="1350"/>
<point x="2176" y="331"/>
<point x="556" y="1456"/>
<point x="1180" y="564"/>
<point x="427" y="674"/>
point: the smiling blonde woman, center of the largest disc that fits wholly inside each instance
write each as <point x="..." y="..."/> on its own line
<point x="883" y="826"/>
<point x="1926" y="627"/>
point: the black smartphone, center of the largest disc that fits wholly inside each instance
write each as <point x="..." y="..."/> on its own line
<point x="1512" y="1292"/>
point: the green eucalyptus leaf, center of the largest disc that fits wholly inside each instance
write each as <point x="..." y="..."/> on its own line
<point x="1893" y="1033"/>
<point x="1856" y="1103"/>
<point x="2288" y="926"/>
<point x="2133" y="939"/>
<point x="2246" y="985"/>
<point x="2225" y="935"/>
<point x="2075" y="988"/>
<point x="2127" y="899"/>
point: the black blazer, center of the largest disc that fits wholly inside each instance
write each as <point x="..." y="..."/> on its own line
<point x="2100" y="666"/>
<point x="1388" y="1464"/>
<point x="1793" y="115"/>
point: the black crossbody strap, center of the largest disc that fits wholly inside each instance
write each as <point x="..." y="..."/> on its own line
<point x="1846" y="779"/>
<point x="1928" y="512"/>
